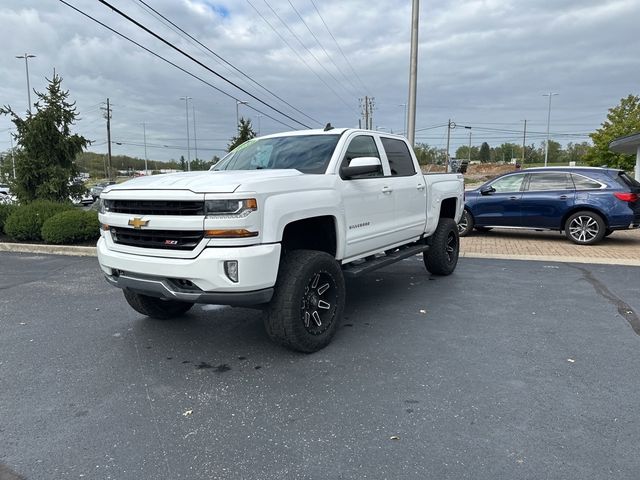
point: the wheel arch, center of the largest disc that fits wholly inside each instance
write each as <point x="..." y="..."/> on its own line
<point x="315" y="233"/>
<point x="583" y="208"/>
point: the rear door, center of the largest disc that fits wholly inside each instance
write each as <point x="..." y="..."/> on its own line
<point x="499" y="205"/>
<point x="409" y="190"/>
<point x="547" y="196"/>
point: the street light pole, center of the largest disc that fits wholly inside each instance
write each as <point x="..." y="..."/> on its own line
<point x="186" y="109"/>
<point x="195" y="137"/>
<point x="144" y="134"/>
<point x="239" y="102"/>
<point x="26" y="57"/>
<point x="259" y="116"/>
<point x="546" y="147"/>
<point x="469" y="152"/>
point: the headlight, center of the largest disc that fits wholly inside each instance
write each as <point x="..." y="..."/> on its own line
<point x="230" y="208"/>
<point x="105" y="205"/>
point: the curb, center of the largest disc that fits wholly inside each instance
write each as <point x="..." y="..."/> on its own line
<point x="92" y="252"/>
<point x="49" y="249"/>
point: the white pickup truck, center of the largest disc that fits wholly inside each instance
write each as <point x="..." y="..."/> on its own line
<point x="278" y="223"/>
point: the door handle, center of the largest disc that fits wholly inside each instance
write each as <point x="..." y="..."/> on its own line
<point x="563" y="197"/>
<point x="386" y="190"/>
<point x="513" y="198"/>
<point x="420" y="186"/>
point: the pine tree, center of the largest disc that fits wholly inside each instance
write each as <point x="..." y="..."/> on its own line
<point x="485" y="153"/>
<point x="245" y="132"/>
<point x="46" y="149"/>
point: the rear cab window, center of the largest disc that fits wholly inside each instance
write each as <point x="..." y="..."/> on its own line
<point x="400" y="161"/>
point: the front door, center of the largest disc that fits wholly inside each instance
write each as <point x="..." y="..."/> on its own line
<point x="499" y="204"/>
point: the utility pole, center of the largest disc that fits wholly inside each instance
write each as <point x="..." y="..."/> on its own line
<point x="469" y="156"/>
<point x="259" y="115"/>
<point x="239" y="102"/>
<point x="546" y="147"/>
<point x="195" y="139"/>
<point x="107" y="115"/>
<point x="413" y="74"/>
<point x="186" y="109"/>
<point x="524" y="141"/>
<point x="366" y="112"/>
<point x="26" y="57"/>
<point x="450" y="125"/>
<point x="144" y="133"/>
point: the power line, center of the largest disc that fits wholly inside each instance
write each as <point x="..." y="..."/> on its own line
<point x="226" y="62"/>
<point x="298" y="55"/>
<point x="355" y="89"/>
<point x="222" y="77"/>
<point x="339" y="48"/>
<point x="173" y="64"/>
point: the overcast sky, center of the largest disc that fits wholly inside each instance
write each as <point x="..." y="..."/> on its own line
<point x="482" y="63"/>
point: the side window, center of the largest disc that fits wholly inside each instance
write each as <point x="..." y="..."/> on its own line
<point x="546" y="181"/>
<point x="362" y="146"/>
<point x="511" y="183"/>
<point x="400" y="160"/>
<point x="585" y="183"/>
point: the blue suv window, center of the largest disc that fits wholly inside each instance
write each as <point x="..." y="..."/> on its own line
<point x="549" y="181"/>
<point x="510" y="183"/>
<point x="585" y="183"/>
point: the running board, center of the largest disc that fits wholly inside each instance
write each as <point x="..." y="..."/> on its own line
<point x="353" y="270"/>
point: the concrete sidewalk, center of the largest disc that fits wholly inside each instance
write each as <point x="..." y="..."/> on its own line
<point x="621" y="248"/>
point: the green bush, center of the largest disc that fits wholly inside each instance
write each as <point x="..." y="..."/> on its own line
<point x="73" y="226"/>
<point x="25" y="221"/>
<point x="5" y="210"/>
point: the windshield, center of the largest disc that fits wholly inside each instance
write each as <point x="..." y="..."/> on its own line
<point x="306" y="153"/>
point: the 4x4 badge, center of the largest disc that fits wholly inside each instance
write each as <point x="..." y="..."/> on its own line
<point x="136" y="222"/>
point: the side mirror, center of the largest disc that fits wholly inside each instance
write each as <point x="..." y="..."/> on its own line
<point x="487" y="190"/>
<point x="361" y="166"/>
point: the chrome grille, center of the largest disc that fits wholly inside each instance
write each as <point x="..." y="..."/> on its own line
<point x="162" y="239"/>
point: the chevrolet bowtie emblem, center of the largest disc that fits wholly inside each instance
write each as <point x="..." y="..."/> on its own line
<point x="136" y="222"/>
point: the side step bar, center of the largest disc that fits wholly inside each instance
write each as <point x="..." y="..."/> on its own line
<point x="353" y="270"/>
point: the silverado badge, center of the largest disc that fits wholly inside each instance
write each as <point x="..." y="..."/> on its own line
<point x="136" y="222"/>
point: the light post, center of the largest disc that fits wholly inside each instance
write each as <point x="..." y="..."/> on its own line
<point x="546" y="147"/>
<point x="144" y="134"/>
<point x="404" y="125"/>
<point x="259" y="117"/>
<point x="413" y="73"/>
<point x="186" y="109"/>
<point x="195" y="137"/>
<point x="239" y="102"/>
<point x="26" y="57"/>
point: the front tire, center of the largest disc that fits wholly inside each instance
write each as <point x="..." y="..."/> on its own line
<point x="585" y="228"/>
<point x="156" y="307"/>
<point x="307" y="305"/>
<point x="442" y="256"/>
<point x="466" y="223"/>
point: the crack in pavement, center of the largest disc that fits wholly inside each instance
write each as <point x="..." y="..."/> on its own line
<point x="623" y="308"/>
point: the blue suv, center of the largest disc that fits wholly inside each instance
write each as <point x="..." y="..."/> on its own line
<point x="586" y="203"/>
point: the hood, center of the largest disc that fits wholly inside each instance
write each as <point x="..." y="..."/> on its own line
<point x="224" y="181"/>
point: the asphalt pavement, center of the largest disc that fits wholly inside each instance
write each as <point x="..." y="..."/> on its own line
<point x="505" y="369"/>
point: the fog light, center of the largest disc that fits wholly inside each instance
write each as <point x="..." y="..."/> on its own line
<point x="231" y="269"/>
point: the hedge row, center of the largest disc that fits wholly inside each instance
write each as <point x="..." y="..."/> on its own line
<point x="49" y="221"/>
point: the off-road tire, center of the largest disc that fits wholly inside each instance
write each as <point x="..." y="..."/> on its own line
<point x="585" y="228"/>
<point x="466" y="223"/>
<point x="156" y="307"/>
<point x="442" y="256"/>
<point x="307" y="305"/>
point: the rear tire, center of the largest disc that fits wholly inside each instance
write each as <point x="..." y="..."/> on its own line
<point x="156" y="307"/>
<point x="442" y="256"/>
<point x="465" y="225"/>
<point x="307" y="305"/>
<point x="585" y="228"/>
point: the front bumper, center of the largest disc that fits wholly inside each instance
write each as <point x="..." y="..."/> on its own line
<point x="198" y="280"/>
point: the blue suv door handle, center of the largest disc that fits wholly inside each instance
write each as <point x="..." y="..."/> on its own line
<point x="563" y="197"/>
<point x="513" y="198"/>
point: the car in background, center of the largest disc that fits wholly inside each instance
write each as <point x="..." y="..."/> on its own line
<point x="586" y="203"/>
<point x="96" y="190"/>
<point x="4" y="189"/>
